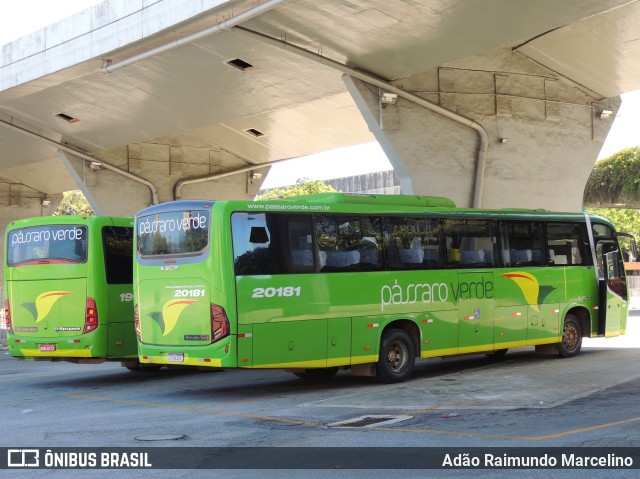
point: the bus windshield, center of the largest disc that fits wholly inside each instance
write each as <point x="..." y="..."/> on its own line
<point x="174" y="233"/>
<point x="49" y="244"/>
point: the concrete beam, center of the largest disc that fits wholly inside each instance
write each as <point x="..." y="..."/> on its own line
<point x="122" y="181"/>
<point x="544" y="132"/>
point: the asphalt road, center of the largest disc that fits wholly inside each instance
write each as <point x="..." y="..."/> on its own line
<point x="519" y="400"/>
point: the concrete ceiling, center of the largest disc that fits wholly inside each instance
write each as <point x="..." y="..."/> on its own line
<point x="191" y="97"/>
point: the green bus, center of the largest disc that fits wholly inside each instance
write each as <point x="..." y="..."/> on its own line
<point x="68" y="289"/>
<point x="370" y="283"/>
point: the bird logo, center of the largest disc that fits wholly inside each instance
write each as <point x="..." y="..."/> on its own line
<point x="171" y="311"/>
<point x="533" y="293"/>
<point x="43" y="304"/>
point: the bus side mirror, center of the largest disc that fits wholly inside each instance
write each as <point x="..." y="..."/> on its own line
<point x="628" y="245"/>
<point x="258" y="235"/>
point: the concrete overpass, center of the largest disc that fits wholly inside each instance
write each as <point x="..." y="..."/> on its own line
<point x="500" y="103"/>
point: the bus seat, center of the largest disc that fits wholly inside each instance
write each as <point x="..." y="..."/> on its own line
<point x="536" y="255"/>
<point x="521" y="256"/>
<point x="302" y="257"/>
<point x="552" y="256"/>
<point x="560" y="259"/>
<point x="393" y="253"/>
<point x="506" y="257"/>
<point x="453" y="254"/>
<point x="471" y="256"/>
<point x="369" y="256"/>
<point x="431" y="254"/>
<point x="342" y="259"/>
<point x="488" y="256"/>
<point x="412" y="255"/>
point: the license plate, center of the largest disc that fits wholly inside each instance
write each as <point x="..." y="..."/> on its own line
<point x="47" y="347"/>
<point x="175" y="357"/>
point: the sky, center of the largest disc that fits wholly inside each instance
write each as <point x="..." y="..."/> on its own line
<point x="19" y="18"/>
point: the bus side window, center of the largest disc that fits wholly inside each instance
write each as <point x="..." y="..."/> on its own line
<point x="348" y="243"/>
<point x="272" y="243"/>
<point x="117" y="242"/>
<point x="470" y="243"/>
<point x="570" y="243"/>
<point x="301" y="244"/>
<point x="412" y="242"/>
<point x="522" y="243"/>
<point x="251" y="244"/>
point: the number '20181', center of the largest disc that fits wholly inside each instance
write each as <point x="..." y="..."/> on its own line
<point x="282" y="291"/>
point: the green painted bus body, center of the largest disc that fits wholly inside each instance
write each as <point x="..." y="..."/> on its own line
<point x="47" y="297"/>
<point x="321" y="320"/>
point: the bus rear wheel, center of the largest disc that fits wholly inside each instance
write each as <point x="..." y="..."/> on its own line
<point x="397" y="356"/>
<point x="571" y="337"/>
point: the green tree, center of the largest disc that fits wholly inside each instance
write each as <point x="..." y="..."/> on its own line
<point x="74" y="203"/>
<point x="615" y="180"/>
<point x="303" y="186"/>
<point x="627" y="220"/>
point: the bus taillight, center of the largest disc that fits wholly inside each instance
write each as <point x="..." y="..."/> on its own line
<point x="91" y="318"/>
<point x="7" y="316"/>
<point x="136" y="320"/>
<point x="219" y="323"/>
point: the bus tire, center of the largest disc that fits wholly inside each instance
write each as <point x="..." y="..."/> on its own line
<point x="397" y="356"/>
<point x="571" y="337"/>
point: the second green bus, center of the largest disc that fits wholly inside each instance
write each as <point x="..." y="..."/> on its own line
<point x="68" y="289"/>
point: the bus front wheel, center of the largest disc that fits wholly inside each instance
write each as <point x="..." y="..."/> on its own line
<point x="571" y="337"/>
<point x="397" y="356"/>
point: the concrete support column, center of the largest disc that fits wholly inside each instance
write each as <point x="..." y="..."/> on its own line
<point x="123" y="181"/>
<point x="544" y="132"/>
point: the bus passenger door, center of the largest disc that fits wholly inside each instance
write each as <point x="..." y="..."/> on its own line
<point x="475" y="297"/>
<point x="613" y="303"/>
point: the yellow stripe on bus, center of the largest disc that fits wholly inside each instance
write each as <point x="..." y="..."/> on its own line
<point x="553" y="340"/>
<point x="313" y="364"/>
<point x="209" y="362"/>
<point x="319" y="363"/>
<point x="432" y="353"/>
<point x="61" y="353"/>
<point x="486" y="348"/>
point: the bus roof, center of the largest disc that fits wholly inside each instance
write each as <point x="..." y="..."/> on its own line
<point x="369" y="203"/>
<point x="363" y="199"/>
